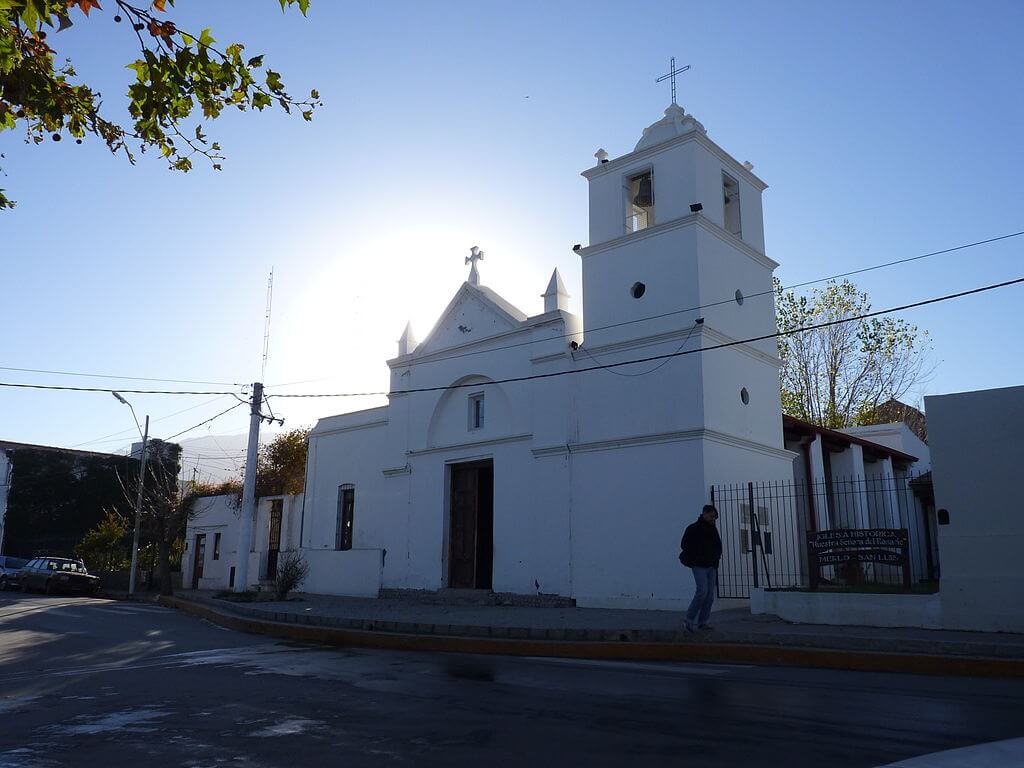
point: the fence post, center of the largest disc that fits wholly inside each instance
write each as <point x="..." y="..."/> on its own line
<point x="813" y="566"/>
<point x="905" y="553"/>
<point x="753" y="528"/>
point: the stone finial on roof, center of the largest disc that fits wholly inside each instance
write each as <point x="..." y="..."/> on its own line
<point x="407" y="344"/>
<point x="556" y="297"/>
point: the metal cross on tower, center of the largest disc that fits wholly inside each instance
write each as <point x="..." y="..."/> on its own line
<point x="671" y="75"/>
<point x="475" y="255"/>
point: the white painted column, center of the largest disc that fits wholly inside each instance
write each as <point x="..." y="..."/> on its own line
<point x="820" y="488"/>
<point x="890" y="493"/>
<point x="860" y="494"/>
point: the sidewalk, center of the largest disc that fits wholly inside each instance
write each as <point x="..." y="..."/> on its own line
<point x="612" y="633"/>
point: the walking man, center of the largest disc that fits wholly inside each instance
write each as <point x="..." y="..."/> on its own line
<point x="701" y="550"/>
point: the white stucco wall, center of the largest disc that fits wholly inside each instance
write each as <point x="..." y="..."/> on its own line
<point x="975" y="442"/>
<point x="355" y="572"/>
<point x="213" y="515"/>
<point x="853" y="609"/>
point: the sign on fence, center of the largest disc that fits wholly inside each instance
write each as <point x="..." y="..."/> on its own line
<point x="887" y="546"/>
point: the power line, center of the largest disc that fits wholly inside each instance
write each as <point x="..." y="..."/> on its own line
<point x="729" y="300"/>
<point x="161" y="418"/>
<point x="201" y="423"/>
<point x="652" y="370"/>
<point x="121" y="378"/>
<point x="101" y="389"/>
<point x="55" y="387"/>
<point x="678" y="353"/>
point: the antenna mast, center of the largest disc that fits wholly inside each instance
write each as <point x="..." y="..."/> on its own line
<point x="266" y="323"/>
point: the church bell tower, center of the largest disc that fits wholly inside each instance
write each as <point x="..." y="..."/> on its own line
<point x="677" y="254"/>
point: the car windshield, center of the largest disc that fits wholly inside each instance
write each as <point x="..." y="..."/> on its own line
<point x="14" y="562"/>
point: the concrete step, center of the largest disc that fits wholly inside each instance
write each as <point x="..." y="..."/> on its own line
<point x="477" y="597"/>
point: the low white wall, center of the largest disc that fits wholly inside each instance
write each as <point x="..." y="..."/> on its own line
<point x="353" y="572"/>
<point x="633" y="603"/>
<point x="850" y="609"/>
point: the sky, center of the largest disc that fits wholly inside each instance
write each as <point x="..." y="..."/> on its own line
<point x="884" y="130"/>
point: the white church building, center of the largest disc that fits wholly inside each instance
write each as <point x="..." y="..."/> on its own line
<point x="529" y="454"/>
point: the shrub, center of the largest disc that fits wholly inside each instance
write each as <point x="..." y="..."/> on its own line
<point x="292" y="570"/>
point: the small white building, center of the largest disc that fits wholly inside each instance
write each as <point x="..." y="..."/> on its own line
<point x="518" y="453"/>
<point x="210" y="559"/>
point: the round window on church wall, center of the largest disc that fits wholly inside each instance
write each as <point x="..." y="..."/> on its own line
<point x="744" y="396"/>
<point x="739" y="297"/>
<point x="638" y="290"/>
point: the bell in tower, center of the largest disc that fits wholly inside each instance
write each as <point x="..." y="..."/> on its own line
<point x="643" y="191"/>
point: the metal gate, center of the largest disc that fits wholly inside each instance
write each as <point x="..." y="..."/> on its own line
<point x="274" y="540"/>
<point x="761" y="535"/>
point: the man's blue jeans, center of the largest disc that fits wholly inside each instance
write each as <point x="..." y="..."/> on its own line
<point x="700" y="607"/>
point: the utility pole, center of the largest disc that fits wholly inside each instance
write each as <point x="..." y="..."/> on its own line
<point x="138" y="509"/>
<point x="249" y="490"/>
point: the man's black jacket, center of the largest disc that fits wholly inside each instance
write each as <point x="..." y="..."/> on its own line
<point x="701" y="545"/>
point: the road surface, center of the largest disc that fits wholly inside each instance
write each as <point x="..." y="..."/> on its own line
<point x="103" y="683"/>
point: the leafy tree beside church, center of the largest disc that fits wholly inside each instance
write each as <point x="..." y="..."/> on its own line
<point x="840" y="376"/>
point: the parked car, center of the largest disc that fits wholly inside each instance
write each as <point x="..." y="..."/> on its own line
<point x="10" y="567"/>
<point x="58" y="574"/>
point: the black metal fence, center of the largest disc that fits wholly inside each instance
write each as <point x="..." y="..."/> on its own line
<point x="764" y="529"/>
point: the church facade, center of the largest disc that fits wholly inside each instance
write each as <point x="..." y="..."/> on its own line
<point x="534" y="454"/>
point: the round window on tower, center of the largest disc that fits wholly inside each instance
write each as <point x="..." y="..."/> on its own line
<point x="638" y="290"/>
<point x="744" y="396"/>
<point x="739" y="297"/>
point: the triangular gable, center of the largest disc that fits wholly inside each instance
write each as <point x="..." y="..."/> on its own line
<point x="474" y="313"/>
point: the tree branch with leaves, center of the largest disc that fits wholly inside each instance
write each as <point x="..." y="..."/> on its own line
<point x="178" y="74"/>
<point x="837" y="376"/>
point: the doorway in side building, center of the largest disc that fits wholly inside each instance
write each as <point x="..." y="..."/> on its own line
<point x="200" y="557"/>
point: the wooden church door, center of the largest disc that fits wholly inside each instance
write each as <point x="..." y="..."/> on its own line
<point x="471" y="544"/>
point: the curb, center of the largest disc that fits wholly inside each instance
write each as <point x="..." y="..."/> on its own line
<point x="721" y="653"/>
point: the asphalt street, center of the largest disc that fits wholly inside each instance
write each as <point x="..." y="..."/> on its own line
<point x="103" y="683"/>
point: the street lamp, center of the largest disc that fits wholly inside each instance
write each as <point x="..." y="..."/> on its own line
<point x="138" y="498"/>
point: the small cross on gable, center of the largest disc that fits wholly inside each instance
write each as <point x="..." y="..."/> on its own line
<point x="475" y="255"/>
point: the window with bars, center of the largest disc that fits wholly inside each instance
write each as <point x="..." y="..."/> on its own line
<point x="346" y="512"/>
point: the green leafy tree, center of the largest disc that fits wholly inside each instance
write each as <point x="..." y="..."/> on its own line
<point x="281" y="467"/>
<point x="838" y="376"/>
<point x="178" y="73"/>
<point x="106" y="546"/>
